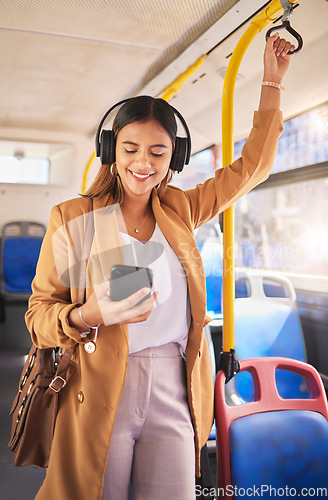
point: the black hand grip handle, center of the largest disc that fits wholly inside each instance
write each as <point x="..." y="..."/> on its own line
<point x="286" y="25"/>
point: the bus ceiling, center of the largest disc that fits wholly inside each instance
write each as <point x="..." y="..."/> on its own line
<point x="62" y="67"/>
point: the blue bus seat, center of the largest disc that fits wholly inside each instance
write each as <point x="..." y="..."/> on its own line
<point x="274" y="446"/>
<point x="267" y="323"/>
<point x="20" y="248"/>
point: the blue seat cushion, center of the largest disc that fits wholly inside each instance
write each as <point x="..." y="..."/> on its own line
<point x="20" y="257"/>
<point x="279" y="449"/>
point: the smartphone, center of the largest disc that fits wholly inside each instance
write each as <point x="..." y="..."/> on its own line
<point x="126" y="280"/>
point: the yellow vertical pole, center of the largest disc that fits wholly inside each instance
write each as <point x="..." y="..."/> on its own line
<point x="269" y="14"/>
<point x="227" y="159"/>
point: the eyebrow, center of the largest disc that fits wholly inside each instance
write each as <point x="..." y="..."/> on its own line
<point x="152" y="146"/>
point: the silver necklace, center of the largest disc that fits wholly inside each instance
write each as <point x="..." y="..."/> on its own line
<point x="136" y="229"/>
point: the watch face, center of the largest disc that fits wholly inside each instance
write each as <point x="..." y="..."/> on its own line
<point x="90" y="347"/>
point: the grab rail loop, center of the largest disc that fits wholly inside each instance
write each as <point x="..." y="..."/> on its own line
<point x="288" y="10"/>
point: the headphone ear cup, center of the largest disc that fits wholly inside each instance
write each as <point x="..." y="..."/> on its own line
<point x="179" y="155"/>
<point x="107" y="147"/>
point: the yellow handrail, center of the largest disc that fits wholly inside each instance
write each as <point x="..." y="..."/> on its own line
<point x="179" y="82"/>
<point x="269" y="14"/>
<point x="86" y="171"/>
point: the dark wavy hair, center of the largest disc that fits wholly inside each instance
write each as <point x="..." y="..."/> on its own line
<point x="136" y="109"/>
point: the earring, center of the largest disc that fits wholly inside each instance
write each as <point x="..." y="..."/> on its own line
<point x="113" y="169"/>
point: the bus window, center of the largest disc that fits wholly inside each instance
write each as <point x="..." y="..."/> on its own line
<point x="281" y="224"/>
<point x="17" y="170"/>
<point x="37" y="163"/>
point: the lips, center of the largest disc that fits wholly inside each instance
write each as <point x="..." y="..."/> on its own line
<point x="139" y="176"/>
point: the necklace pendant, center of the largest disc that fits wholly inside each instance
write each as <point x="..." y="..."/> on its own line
<point x="137" y="230"/>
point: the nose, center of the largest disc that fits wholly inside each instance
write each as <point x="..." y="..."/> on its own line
<point x="143" y="159"/>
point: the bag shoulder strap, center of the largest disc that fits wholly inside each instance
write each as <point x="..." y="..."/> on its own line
<point x="59" y="381"/>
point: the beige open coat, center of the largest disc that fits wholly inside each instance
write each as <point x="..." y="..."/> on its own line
<point x="89" y="402"/>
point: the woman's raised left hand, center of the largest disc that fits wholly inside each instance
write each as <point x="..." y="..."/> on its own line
<point x="276" y="58"/>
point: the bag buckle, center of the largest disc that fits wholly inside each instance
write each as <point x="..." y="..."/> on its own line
<point x="61" y="380"/>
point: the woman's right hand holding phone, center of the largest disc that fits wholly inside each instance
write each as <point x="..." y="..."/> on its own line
<point x="99" y="309"/>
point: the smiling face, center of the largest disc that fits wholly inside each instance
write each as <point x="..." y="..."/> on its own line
<point x="143" y="155"/>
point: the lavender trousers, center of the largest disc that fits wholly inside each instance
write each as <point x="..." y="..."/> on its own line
<point x="152" y="445"/>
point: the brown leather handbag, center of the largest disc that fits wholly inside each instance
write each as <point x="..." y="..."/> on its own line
<point x="35" y="406"/>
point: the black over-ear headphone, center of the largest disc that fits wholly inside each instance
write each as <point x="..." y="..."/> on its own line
<point x="105" y="142"/>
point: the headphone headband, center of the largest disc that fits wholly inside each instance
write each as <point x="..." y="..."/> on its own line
<point x="182" y="146"/>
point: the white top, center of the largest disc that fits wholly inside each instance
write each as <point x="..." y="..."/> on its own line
<point x="170" y="318"/>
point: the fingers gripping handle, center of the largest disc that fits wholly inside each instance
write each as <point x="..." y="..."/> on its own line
<point x="286" y="25"/>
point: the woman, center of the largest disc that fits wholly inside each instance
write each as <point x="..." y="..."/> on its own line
<point x="139" y="403"/>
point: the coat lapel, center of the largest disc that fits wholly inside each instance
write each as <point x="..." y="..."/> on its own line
<point x="106" y="249"/>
